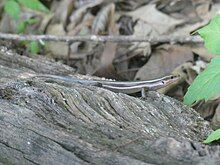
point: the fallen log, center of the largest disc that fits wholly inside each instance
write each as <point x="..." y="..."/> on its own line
<point x="44" y="121"/>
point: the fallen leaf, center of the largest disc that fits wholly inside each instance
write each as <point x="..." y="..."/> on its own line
<point x="163" y="61"/>
<point x="102" y="19"/>
<point x="58" y="49"/>
<point x="216" y="118"/>
<point x="161" y="22"/>
<point x="62" y="10"/>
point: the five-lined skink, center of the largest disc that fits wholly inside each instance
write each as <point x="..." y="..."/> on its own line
<point x="120" y="86"/>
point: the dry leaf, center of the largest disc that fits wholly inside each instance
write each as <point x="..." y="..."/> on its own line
<point x="62" y="11"/>
<point x="163" y="61"/>
<point x="216" y="118"/>
<point x="102" y="19"/>
<point x="58" y="49"/>
<point x="130" y="5"/>
<point x="160" y="22"/>
<point x="77" y="15"/>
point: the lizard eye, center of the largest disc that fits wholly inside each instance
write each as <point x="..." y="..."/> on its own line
<point x="162" y="82"/>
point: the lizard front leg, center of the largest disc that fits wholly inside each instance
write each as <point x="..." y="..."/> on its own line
<point x="143" y="92"/>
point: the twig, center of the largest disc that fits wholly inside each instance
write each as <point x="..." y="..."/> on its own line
<point x="97" y="38"/>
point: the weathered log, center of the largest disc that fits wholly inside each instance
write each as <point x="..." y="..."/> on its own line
<point x="37" y="64"/>
<point x="46" y="121"/>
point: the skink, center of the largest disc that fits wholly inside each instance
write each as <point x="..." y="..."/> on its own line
<point x="120" y="86"/>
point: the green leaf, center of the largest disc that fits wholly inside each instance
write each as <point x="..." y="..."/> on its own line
<point x="211" y="35"/>
<point x="21" y="27"/>
<point x="12" y="8"/>
<point x="32" y="21"/>
<point x="206" y="85"/>
<point x="213" y="136"/>
<point x="34" y="47"/>
<point x="34" y="4"/>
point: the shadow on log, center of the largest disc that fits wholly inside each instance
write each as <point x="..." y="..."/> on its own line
<point x="44" y="121"/>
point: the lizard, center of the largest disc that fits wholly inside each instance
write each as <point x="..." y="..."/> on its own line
<point x="120" y="86"/>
